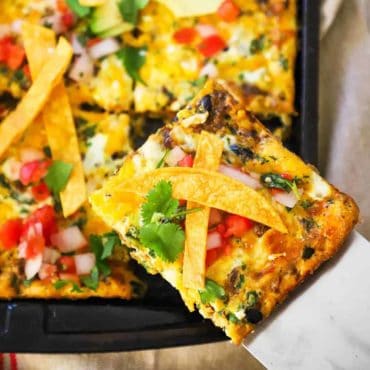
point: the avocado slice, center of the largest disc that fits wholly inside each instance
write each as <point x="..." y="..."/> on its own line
<point x="106" y="20"/>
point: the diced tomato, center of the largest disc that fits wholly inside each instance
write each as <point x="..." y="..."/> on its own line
<point x="47" y="271"/>
<point x="182" y="202"/>
<point x="215" y="217"/>
<point x="26" y="71"/>
<point x="68" y="19"/>
<point x="237" y="225"/>
<point x="61" y="6"/>
<point x="93" y="41"/>
<point x="10" y="233"/>
<point x="212" y="256"/>
<point x="286" y="176"/>
<point x="228" y="11"/>
<point x="275" y="191"/>
<point x="69" y="277"/>
<point x="16" y="56"/>
<point x="187" y="161"/>
<point x="47" y="217"/>
<point x="33" y="171"/>
<point x="11" y="54"/>
<point x="40" y="192"/>
<point x="35" y="245"/>
<point x="67" y="264"/>
<point x="211" y="45"/>
<point x="221" y="228"/>
<point x="185" y="35"/>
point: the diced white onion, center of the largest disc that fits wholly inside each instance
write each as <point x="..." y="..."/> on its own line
<point x="69" y="239"/>
<point x="31" y="154"/>
<point x="16" y="26"/>
<point x="214" y="240"/>
<point x="206" y="30"/>
<point x="105" y="47"/>
<point x="240" y="176"/>
<point x="82" y="69"/>
<point x="84" y="263"/>
<point x="174" y="156"/>
<point x="32" y="266"/>
<point x="77" y="46"/>
<point x="215" y="217"/>
<point x="22" y="250"/>
<point x="50" y="255"/>
<point x="286" y="199"/>
<point x="47" y="270"/>
<point x="209" y="70"/>
<point x="12" y="169"/>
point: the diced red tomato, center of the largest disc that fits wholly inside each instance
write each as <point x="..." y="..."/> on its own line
<point x="47" y="271"/>
<point x="61" y="6"/>
<point x="212" y="256"/>
<point x="68" y="19"/>
<point x="237" y="225"/>
<point x="215" y="217"/>
<point x="10" y="233"/>
<point x="187" y="161"/>
<point x="11" y="54"/>
<point x="211" y="45"/>
<point x="47" y="217"/>
<point x="26" y="71"/>
<point x="185" y="35"/>
<point x="33" y="171"/>
<point x="40" y="192"/>
<point x="67" y="264"/>
<point x="182" y="202"/>
<point x="221" y="228"/>
<point x="286" y="176"/>
<point x="228" y="11"/>
<point x="93" y="41"/>
<point x="35" y="245"/>
<point x="275" y="191"/>
<point x="69" y="277"/>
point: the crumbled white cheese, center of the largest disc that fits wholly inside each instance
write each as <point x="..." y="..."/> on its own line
<point x="186" y="141"/>
<point x="254" y="76"/>
<point x="95" y="156"/>
<point x="320" y="189"/>
<point x="11" y="169"/>
<point x="153" y="152"/>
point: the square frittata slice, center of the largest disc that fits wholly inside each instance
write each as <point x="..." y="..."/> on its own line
<point x="251" y="263"/>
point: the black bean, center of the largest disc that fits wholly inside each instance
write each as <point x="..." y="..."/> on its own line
<point x="307" y="253"/>
<point x="206" y="103"/>
<point x="253" y="315"/>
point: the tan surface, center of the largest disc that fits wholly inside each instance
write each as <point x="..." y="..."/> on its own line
<point x="345" y="133"/>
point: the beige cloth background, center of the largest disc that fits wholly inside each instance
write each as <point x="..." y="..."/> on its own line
<point x="344" y="158"/>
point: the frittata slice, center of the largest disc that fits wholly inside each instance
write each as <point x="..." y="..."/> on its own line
<point x="250" y="267"/>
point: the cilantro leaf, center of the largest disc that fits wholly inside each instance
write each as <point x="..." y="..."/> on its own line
<point x="91" y="281"/>
<point x="59" y="284"/>
<point x="166" y="240"/>
<point x="159" y="201"/>
<point x="58" y="175"/>
<point x="212" y="292"/>
<point x="133" y="59"/>
<point x="75" y="288"/>
<point x="80" y="10"/>
<point x="274" y="180"/>
<point x="109" y="241"/>
<point x="129" y="9"/>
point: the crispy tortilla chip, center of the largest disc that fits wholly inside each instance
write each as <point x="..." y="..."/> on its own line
<point x="92" y="2"/>
<point x="191" y="8"/>
<point x="35" y="99"/>
<point x="58" y="119"/>
<point x="208" y="188"/>
<point x="208" y="156"/>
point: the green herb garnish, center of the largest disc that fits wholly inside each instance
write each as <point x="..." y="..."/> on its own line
<point x="133" y="59"/>
<point x="78" y="9"/>
<point x="58" y="175"/>
<point x="59" y="284"/>
<point x="129" y="9"/>
<point x="160" y="164"/>
<point x="91" y="281"/>
<point x="257" y="45"/>
<point x="274" y="180"/>
<point x="252" y="298"/>
<point x="284" y="63"/>
<point x="212" y="292"/>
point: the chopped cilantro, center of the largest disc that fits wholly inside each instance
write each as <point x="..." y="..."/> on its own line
<point x="232" y="318"/>
<point x="159" y="201"/>
<point x="212" y="292"/>
<point x="240" y="282"/>
<point x="133" y="59"/>
<point x="129" y="9"/>
<point x="274" y="180"/>
<point x="109" y="241"/>
<point x="78" y="9"/>
<point x="306" y="203"/>
<point x="59" y="284"/>
<point x="257" y="44"/>
<point x="199" y="82"/>
<point x="284" y="63"/>
<point x="91" y="281"/>
<point x="57" y="177"/>
<point x="27" y="283"/>
<point x="308" y="223"/>
<point x="76" y="288"/>
<point x="252" y="298"/>
<point x="167" y="240"/>
<point x="160" y="164"/>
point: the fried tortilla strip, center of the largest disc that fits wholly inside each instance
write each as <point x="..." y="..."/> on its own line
<point x="57" y="117"/>
<point x="191" y="8"/>
<point x="208" y="156"/>
<point x="208" y="188"/>
<point x="35" y="99"/>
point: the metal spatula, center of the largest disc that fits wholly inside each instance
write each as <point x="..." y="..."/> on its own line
<point x="326" y="323"/>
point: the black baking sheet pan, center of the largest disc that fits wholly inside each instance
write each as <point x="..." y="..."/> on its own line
<point x="160" y="319"/>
